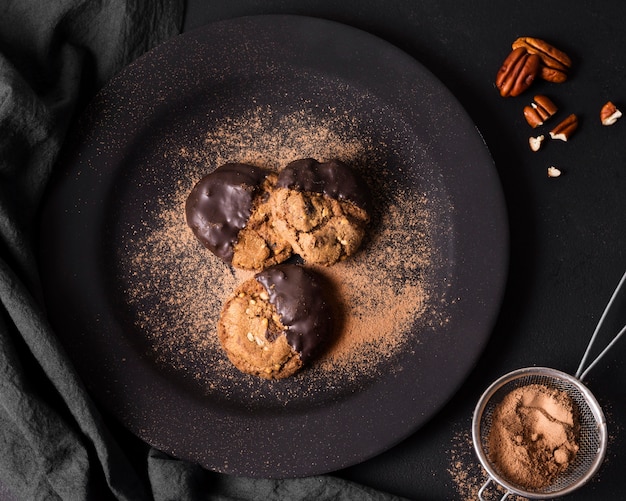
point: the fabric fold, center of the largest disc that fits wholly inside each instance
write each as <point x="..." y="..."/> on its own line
<point x="54" y="56"/>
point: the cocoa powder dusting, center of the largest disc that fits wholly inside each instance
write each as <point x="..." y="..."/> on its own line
<point x="466" y="472"/>
<point x="175" y="288"/>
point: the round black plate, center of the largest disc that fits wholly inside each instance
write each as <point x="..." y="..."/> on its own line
<point x="114" y="297"/>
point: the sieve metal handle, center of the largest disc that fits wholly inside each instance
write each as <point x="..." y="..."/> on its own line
<point x="582" y="372"/>
<point x="481" y="491"/>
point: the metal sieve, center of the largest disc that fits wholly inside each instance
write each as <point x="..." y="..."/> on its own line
<point x="591" y="440"/>
<point x="592" y="437"/>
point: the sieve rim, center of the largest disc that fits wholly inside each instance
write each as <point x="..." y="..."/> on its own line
<point x="594" y="406"/>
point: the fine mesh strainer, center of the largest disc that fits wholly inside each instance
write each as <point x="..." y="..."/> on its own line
<point x="592" y="437"/>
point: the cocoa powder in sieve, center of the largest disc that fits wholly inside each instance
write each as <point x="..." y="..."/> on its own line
<point x="533" y="436"/>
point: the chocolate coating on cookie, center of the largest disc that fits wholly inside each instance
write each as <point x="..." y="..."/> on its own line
<point x="332" y="178"/>
<point x="300" y="298"/>
<point x="220" y="204"/>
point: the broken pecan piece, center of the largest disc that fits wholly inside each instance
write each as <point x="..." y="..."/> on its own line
<point x="609" y="114"/>
<point x="535" y="142"/>
<point x="555" y="63"/>
<point x="539" y="111"/>
<point x="565" y="129"/>
<point x="517" y="73"/>
<point x="554" y="171"/>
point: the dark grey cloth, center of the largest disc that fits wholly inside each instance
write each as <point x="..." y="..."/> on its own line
<point x="55" y="443"/>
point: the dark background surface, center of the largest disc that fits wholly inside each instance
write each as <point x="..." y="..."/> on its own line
<point x="567" y="234"/>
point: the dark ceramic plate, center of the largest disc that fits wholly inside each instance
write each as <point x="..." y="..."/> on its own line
<point x="123" y="288"/>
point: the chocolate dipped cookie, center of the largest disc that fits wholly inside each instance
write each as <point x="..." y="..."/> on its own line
<point x="276" y="322"/>
<point x="321" y="209"/>
<point x="228" y="211"/>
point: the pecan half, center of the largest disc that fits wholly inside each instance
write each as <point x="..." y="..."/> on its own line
<point x="609" y="114"/>
<point x="517" y="73"/>
<point x="555" y="63"/>
<point x="539" y="111"/>
<point x="552" y="75"/>
<point x="565" y="129"/>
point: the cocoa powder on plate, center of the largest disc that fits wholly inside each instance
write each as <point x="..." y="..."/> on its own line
<point x="176" y="288"/>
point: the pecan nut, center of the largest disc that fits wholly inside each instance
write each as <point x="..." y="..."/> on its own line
<point x="539" y="111"/>
<point x="517" y="73"/>
<point x="552" y="75"/>
<point x="555" y="63"/>
<point x="565" y="129"/>
<point x="609" y="114"/>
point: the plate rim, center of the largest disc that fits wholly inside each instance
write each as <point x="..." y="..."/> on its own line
<point x="501" y="227"/>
